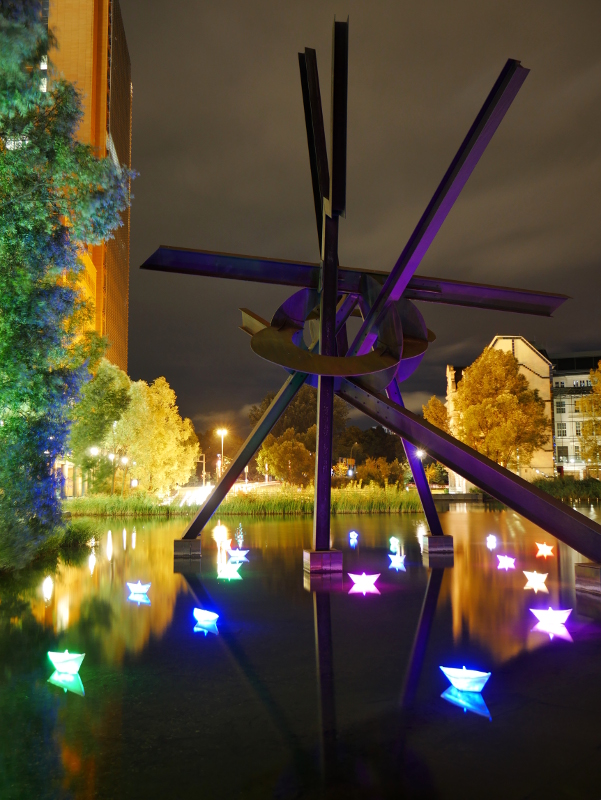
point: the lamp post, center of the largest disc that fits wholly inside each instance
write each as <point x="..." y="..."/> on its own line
<point x="221" y="432"/>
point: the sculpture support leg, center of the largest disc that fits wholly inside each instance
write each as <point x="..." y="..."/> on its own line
<point x="246" y="452"/>
<point x="325" y="388"/>
<point x="325" y="676"/>
<point x="417" y="469"/>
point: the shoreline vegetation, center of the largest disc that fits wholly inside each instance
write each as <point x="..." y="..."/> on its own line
<point x="288" y="501"/>
<point x="291" y="501"/>
<point x="71" y="543"/>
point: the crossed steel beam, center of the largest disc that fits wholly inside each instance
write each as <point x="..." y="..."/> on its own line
<point x="377" y="294"/>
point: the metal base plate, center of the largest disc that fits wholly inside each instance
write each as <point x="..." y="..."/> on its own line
<point x="186" y="548"/>
<point x="316" y="562"/>
<point x="322" y="582"/>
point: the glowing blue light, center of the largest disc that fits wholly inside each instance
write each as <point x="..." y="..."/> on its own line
<point x="140" y="599"/>
<point x="238" y="556"/>
<point x="491" y="541"/>
<point x="139" y="588"/>
<point x="395" y="545"/>
<point x="353" y="537"/>
<point x="397" y="561"/>
<point x="66" y="662"/>
<point x="466" y="680"/>
<point x="68" y="682"/>
<point x="468" y="701"/>
<point x="206" y="621"/>
<point x="365" y="584"/>
<point x="506" y="562"/>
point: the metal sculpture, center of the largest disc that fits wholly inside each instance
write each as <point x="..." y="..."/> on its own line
<point x="393" y="336"/>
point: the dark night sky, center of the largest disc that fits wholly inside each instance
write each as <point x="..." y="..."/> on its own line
<point x="219" y="142"/>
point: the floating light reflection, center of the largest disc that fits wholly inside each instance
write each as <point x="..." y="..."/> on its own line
<point x="536" y="581"/>
<point x="506" y="562"/>
<point x="92" y="562"/>
<point x="133" y="538"/>
<point x="395" y="544"/>
<point x="68" y="682"/>
<point x="139" y="599"/>
<point x="491" y="541"/>
<point x="397" y="561"/>
<point x="544" y="550"/>
<point x="138" y="588"/>
<point x="365" y="584"/>
<point x="238" y="555"/>
<point x="66" y="662"/>
<point x="47" y="587"/>
<point x="124" y="539"/>
<point x="468" y="701"/>
<point x="206" y="621"/>
<point x="109" y="547"/>
<point x="466" y="680"/>
<point x="353" y="538"/>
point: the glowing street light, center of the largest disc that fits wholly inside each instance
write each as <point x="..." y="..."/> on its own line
<point x="420" y="454"/>
<point x="491" y="541"/>
<point x="94" y="451"/>
<point x="221" y="432"/>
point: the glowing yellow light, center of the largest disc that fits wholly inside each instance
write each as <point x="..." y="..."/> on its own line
<point x="109" y="547"/>
<point x="544" y="550"/>
<point x="47" y="587"/>
<point x="536" y="581"/>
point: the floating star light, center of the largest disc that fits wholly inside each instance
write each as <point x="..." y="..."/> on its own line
<point x="552" y="616"/>
<point x="544" y="550"/>
<point x="536" y="581"/>
<point x="491" y="541"/>
<point x="364" y="584"/>
<point x="353" y="538"/>
<point x="238" y="555"/>
<point x="466" y="680"/>
<point x="397" y="561"/>
<point x="468" y="701"/>
<point x="66" y="662"/>
<point x="206" y="621"/>
<point x="139" y="588"/>
<point x="229" y="570"/>
<point x="68" y="682"/>
<point x="506" y="562"/>
<point x="395" y="545"/>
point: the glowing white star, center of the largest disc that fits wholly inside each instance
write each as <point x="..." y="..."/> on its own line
<point x="138" y="588"/>
<point x="552" y="616"/>
<point x="364" y="583"/>
<point x="553" y="630"/>
<point x="397" y="561"/>
<point x="238" y="555"/>
<point x="353" y="538"/>
<point x="544" y="550"/>
<point x="491" y="541"/>
<point x="466" y="680"/>
<point x="206" y="621"/>
<point x="395" y="545"/>
<point x="536" y="581"/>
<point x="506" y="562"/>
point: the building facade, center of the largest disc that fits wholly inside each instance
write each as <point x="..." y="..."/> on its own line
<point x="571" y="383"/>
<point x="562" y="381"/>
<point x="92" y="53"/>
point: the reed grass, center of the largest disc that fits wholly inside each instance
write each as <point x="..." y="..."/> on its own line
<point x="286" y="501"/>
<point x="571" y="490"/>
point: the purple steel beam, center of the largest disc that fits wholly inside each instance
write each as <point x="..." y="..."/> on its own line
<point x="555" y="517"/>
<point x="473" y="146"/>
<point x="417" y="468"/>
<point x="306" y="275"/>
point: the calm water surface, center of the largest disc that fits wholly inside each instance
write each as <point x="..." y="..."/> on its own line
<point x="297" y="692"/>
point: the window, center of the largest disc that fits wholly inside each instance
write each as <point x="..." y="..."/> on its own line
<point x="562" y="383"/>
<point x="560" y="406"/>
<point x="576" y="406"/>
<point x="561" y="429"/>
<point x="578" y="429"/>
<point x="556" y="383"/>
<point x="583" y="383"/>
<point x="562" y="455"/>
<point x="577" y="452"/>
<point x="575" y="383"/>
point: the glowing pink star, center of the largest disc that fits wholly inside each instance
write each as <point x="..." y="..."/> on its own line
<point x="364" y="583"/>
<point x="544" y="550"/>
<point x="506" y="562"/>
<point x="553" y="630"/>
<point x="552" y="616"/>
<point x="536" y="581"/>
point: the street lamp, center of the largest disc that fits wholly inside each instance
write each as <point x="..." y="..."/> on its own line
<point x="94" y="451"/>
<point x="221" y="432"/>
<point x="420" y="454"/>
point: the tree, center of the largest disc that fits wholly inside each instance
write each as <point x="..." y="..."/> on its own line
<point x="496" y="413"/>
<point x="436" y="473"/>
<point x="380" y="471"/>
<point x="436" y="414"/>
<point x="103" y="400"/>
<point x="590" y="440"/>
<point x="56" y="197"/>
<point x="287" y="458"/>
<point x="161" y="448"/>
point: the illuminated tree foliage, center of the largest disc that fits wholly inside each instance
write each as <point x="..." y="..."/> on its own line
<point x="496" y="412"/>
<point x="590" y="440"/>
<point x="56" y="197"/>
<point x="287" y="458"/>
<point x="436" y="413"/>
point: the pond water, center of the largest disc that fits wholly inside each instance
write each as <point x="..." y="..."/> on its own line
<point x="300" y="693"/>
